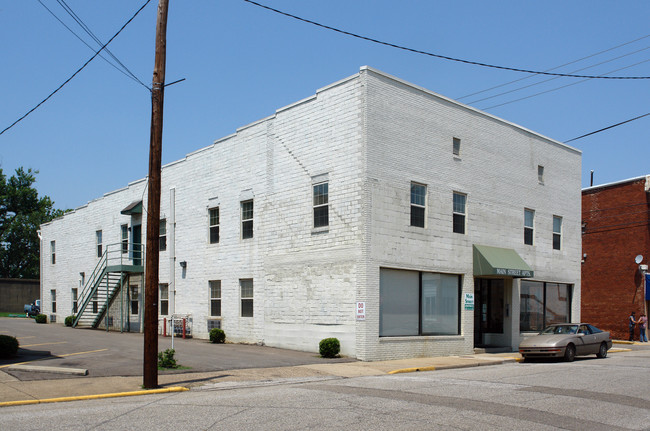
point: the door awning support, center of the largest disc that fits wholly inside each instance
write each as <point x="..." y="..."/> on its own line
<point x="496" y="261"/>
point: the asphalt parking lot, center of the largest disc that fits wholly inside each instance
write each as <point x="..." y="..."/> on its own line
<point x="106" y="354"/>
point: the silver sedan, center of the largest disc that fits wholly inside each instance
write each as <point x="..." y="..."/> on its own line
<point x="567" y="340"/>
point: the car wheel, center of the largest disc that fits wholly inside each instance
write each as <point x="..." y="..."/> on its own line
<point x="570" y="353"/>
<point x="602" y="351"/>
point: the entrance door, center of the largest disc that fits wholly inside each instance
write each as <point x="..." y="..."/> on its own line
<point x="488" y="310"/>
<point x="137" y="244"/>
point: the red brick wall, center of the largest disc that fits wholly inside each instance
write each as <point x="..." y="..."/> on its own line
<point x="616" y="228"/>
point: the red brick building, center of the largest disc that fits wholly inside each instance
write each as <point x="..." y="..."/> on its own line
<point x="615" y="230"/>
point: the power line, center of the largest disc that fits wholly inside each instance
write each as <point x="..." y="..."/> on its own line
<point x="558" y="77"/>
<point x="88" y="31"/>
<point x="553" y="68"/>
<point x="608" y="127"/>
<point x="417" y="51"/>
<point x="560" y="87"/>
<point x="78" y="70"/>
<point x="90" y="47"/>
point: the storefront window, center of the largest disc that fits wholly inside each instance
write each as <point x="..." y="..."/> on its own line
<point x="542" y="304"/>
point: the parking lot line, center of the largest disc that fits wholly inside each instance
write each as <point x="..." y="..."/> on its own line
<point x="44" y="344"/>
<point x="54" y="356"/>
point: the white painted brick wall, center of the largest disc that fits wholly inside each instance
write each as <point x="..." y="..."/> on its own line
<point x="372" y="135"/>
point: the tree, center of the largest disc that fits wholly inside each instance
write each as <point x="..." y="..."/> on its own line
<point x="21" y="214"/>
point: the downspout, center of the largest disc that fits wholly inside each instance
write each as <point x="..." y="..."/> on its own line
<point x="172" y="252"/>
<point x="41" y="265"/>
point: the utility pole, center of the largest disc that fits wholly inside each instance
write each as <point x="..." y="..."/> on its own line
<point x="150" y="360"/>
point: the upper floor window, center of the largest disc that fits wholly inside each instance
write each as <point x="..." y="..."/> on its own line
<point x="321" y="204"/>
<point x="456" y="146"/>
<point x="53" y="251"/>
<point x="247" y="219"/>
<point x="557" y="232"/>
<point x="162" y="243"/>
<point x="540" y="173"/>
<point x="98" y="236"/>
<point x="460" y="212"/>
<point x="125" y="238"/>
<point x="418" y="204"/>
<point x="529" y="226"/>
<point x="215" y="298"/>
<point x="213" y="215"/>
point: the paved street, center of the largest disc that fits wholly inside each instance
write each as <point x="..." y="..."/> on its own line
<point x="588" y="394"/>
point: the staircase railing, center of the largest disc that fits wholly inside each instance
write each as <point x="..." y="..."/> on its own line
<point x="119" y="254"/>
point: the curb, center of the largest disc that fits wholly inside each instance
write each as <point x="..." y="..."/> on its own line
<point x="44" y="369"/>
<point x="94" y="397"/>
<point x="453" y="366"/>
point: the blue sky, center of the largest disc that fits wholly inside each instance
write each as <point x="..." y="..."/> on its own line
<point x="241" y="63"/>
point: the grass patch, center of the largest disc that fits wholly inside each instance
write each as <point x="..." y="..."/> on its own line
<point x="6" y="314"/>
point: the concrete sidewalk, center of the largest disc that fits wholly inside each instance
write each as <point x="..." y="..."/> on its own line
<point x="15" y="392"/>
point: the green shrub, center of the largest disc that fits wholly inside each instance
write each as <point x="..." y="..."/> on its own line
<point x="166" y="359"/>
<point x="40" y="318"/>
<point x="329" y="347"/>
<point x="70" y="320"/>
<point x="8" y="346"/>
<point x="217" y="336"/>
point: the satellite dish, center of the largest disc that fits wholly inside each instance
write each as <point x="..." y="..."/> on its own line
<point x="638" y="259"/>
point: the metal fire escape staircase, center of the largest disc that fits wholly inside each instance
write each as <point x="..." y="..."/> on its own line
<point x="117" y="264"/>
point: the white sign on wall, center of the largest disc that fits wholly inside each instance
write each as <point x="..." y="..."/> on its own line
<point x="361" y="311"/>
<point x="469" y="301"/>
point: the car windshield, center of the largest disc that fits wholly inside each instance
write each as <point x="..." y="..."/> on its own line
<point x="561" y="329"/>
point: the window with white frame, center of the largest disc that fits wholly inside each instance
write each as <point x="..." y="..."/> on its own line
<point x="162" y="237"/>
<point x="135" y="300"/>
<point x="53" y="251"/>
<point x="246" y="289"/>
<point x="53" y="300"/>
<point x="529" y="226"/>
<point x="98" y="237"/>
<point x="418" y="204"/>
<point x="459" y="212"/>
<point x="540" y="173"/>
<point x="215" y="298"/>
<point x="75" y="300"/>
<point x="321" y="204"/>
<point x="418" y="303"/>
<point x="247" y="219"/>
<point x="557" y="233"/>
<point x="213" y="225"/>
<point x="164" y="299"/>
<point x="125" y="238"/>
<point x="456" y="146"/>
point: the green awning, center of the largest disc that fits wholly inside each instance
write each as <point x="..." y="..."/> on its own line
<point x="497" y="261"/>
<point x="133" y="208"/>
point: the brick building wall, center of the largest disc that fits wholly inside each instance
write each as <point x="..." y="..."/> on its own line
<point x="616" y="229"/>
<point x="368" y="136"/>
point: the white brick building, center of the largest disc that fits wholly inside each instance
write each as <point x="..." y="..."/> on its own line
<point x="454" y="229"/>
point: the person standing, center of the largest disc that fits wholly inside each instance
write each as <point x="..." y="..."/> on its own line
<point x="643" y="326"/>
<point x="632" y="324"/>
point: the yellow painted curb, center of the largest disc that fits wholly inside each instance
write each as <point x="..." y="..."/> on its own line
<point x="411" y="370"/>
<point x="95" y="397"/>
